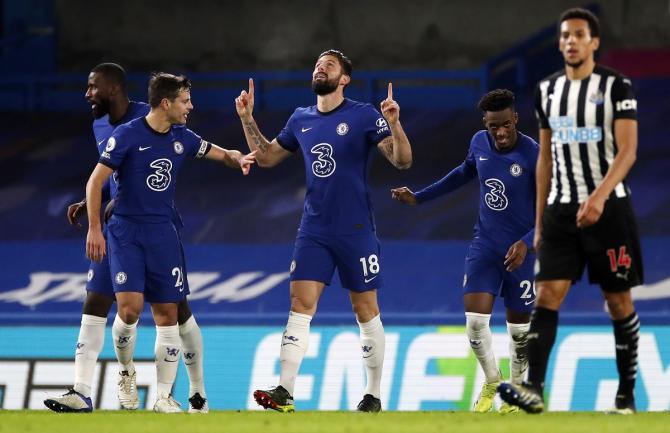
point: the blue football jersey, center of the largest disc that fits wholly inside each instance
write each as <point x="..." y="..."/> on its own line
<point x="506" y="185"/>
<point x="103" y="129"/>
<point x="336" y="148"/>
<point x="147" y="163"/>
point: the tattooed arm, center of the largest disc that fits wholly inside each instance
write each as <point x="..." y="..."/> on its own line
<point x="269" y="153"/>
<point x="395" y="150"/>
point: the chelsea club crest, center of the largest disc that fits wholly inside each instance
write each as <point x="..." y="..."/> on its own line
<point x="342" y="128"/>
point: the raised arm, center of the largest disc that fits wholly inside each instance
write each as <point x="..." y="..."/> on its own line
<point x="95" y="241"/>
<point x="232" y="158"/>
<point x="269" y="153"/>
<point x="395" y="148"/>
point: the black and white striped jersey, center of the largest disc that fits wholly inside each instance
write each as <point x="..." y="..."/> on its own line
<point x="581" y="115"/>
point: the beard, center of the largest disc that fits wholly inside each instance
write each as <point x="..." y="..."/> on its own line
<point x="325" y="87"/>
<point x="101" y="108"/>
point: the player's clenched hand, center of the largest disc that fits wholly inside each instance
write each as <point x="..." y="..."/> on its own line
<point x="515" y="255"/>
<point x="74" y="211"/>
<point x="390" y="108"/>
<point x="590" y="211"/>
<point x="404" y="195"/>
<point x="246" y="161"/>
<point x="244" y="104"/>
<point x="95" y="245"/>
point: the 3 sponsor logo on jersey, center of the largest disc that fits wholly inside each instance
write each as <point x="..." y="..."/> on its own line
<point x="325" y="164"/>
<point x="515" y="170"/>
<point x="178" y="148"/>
<point x="160" y="179"/>
<point x="342" y="128"/>
<point x="496" y="198"/>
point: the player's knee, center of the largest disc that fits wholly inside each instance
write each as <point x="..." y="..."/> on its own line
<point x="475" y="322"/>
<point x="129" y="313"/>
<point x="97" y="305"/>
<point x="183" y="312"/>
<point x="549" y="296"/>
<point x="302" y="305"/>
<point x="619" y="306"/>
<point x="128" y="316"/>
<point x="365" y="311"/>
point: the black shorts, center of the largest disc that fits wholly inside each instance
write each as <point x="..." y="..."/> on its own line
<point x="610" y="248"/>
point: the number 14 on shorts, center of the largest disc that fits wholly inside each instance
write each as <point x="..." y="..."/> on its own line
<point x="623" y="260"/>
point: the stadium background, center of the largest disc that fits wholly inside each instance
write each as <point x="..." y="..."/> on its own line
<point x="441" y="56"/>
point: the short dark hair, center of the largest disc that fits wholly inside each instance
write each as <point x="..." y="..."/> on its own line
<point x="497" y="100"/>
<point x="582" y="14"/>
<point x="163" y="85"/>
<point x="345" y="62"/>
<point x="113" y="72"/>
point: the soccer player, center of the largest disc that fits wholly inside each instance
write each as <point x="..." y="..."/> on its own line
<point x="588" y="143"/>
<point x="111" y="107"/>
<point x="145" y="254"/>
<point x="336" y="137"/>
<point x="498" y="262"/>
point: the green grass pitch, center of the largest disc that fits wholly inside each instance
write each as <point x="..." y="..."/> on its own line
<point x="330" y="422"/>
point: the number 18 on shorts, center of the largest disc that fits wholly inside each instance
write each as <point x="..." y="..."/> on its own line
<point x="356" y="257"/>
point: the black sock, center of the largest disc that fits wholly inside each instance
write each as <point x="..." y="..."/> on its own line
<point x="626" y="336"/>
<point x="541" y="337"/>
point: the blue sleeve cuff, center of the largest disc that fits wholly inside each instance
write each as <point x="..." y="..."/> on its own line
<point x="528" y="238"/>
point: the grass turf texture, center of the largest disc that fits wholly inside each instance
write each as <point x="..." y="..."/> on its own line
<point x="331" y="422"/>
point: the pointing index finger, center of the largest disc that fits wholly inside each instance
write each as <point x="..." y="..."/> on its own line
<point x="251" y="86"/>
<point x="390" y="91"/>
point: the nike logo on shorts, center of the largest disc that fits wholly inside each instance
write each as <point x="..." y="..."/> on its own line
<point x="306" y="129"/>
<point x="144" y="148"/>
<point x="367" y="280"/>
